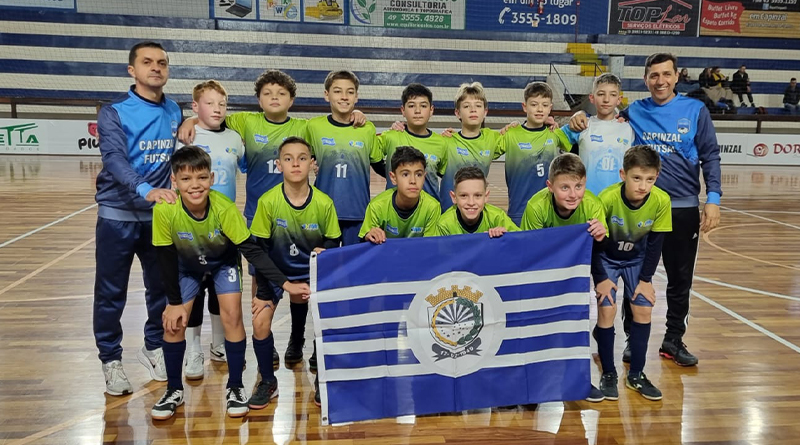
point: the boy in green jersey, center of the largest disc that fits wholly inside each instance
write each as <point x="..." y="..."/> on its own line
<point x="417" y="108"/>
<point x="292" y="220"/>
<point x="565" y="202"/>
<point x="638" y="215"/>
<point x="530" y="148"/>
<point x="404" y="212"/>
<point x="203" y="233"/>
<point x="471" y="213"/>
<point x="344" y="153"/>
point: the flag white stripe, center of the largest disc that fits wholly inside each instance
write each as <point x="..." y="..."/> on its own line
<point x="402" y="343"/>
<point x="498" y="361"/>
<point x="411" y="287"/>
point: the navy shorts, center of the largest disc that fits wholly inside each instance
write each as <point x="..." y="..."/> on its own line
<point x="629" y="271"/>
<point x="227" y="280"/>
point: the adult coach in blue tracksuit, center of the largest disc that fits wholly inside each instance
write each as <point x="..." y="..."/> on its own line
<point x="137" y="138"/>
<point x="680" y="129"/>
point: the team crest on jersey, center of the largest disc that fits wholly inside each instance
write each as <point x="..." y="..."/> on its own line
<point x="186" y="236"/>
<point x="432" y="158"/>
<point x="174" y="127"/>
<point x="684" y="126"/>
<point x="328" y="141"/>
<point x="231" y="150"/>
<point x="261" y="139"/>
<point x="310" y="226"/>
<point x="393" y="230"/>
<point x="416" y="230"/>
<point x="281" y="223"/>
<point x="205" y="148"/>
<point x="549" y="142"/>
<point x="485" y="153"/>
<point x="617" y="220"/>
<point x="213" y="234"/>
<point x="596" y="137"/>
<point x="647" y="223"/>
<point x="462" y="151"/>
<point x="623" y="141"/>
<point x="525" y="146"/>
<point x="357" y="144"/>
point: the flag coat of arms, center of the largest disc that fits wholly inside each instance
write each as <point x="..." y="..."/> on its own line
<point x="444" y="324"/>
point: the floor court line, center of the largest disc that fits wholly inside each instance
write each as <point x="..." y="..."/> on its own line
<point x="46" y="266"/>
<point x="50" y="224"/>
<point x="706" y="238"/>
<point x="742" y="319"/>
<point x="760" y="217"/>
<point x="100" y="411"/>
<point x="66" y="297"/>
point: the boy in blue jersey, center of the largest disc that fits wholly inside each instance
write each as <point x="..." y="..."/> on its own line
<point x="292" y="220"/>
<point x="344" y="153"/>
<point x="603" y="144"/>
<point x="137" y="137"/>
<point x="638" y="215"/>
<point x="203" y="234"/>
<point x="210" y="103"/>
<point x="680" y="129"/>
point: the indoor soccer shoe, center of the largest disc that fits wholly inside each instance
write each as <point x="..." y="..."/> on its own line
<point x="608" y="386"/>
<point x="117" y="382"/>
<point x="276" y="358"/>
<point x="193" y="365"/>
<point x="626" y="353"/>
<point x="294" y="352"/>
<point x="154" y="362"/>
<point x="676" y="350"/>
<point x="317" y="398"/>
<point x="595" y="395"/>
<point x="237" y="402"/>
<point x="218" y="352"/>
<point x="643" y="386"/>
<point x="265" y="391"/>
<point x="166" y="406"/>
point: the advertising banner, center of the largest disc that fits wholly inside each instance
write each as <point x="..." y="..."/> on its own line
<point x="539" y="16"/>
<point x="39" y="4"/>
<point x="409" y="14"/>
<point x="754" y="18"/>
<point x="279" y="10"/>
<point x="49" y="137"/>
<point x="654" y="17"/>
<point x="759" y="149"/>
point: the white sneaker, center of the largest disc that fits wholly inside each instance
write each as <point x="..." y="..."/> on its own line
<point x="154" y="362"/>
<point x="194" y="366"/>
<point x="166" y="406"/>
<point x="237" y="402"/>
<point x="218" y="352"/>
<point x="117" y="382"/>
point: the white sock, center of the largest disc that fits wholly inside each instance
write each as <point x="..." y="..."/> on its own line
<point x="193" y="340"/>
<point x="217" y="331"/>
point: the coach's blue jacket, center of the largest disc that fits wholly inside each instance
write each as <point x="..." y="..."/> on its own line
<point x="137" y="138"/>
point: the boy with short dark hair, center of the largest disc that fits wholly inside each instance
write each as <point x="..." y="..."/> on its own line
<point x="530" y="148"/>
<point x="344" y="153"/>
<point x="292" y="220"/>
<point x="199" y="235"/>
<point x="417" y="108"/>
<point x="638" y="215"/>
<point x="470" y="212"/>
<point x="404" y="212"/>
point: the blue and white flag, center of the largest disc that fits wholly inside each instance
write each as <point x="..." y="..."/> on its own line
<point x="444" y="324"/>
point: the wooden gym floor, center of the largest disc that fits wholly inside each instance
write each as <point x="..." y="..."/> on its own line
<point x="744" y="327"/>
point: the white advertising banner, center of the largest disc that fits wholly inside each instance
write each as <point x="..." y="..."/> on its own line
<point x="48" y="137"/>
<point x="759" y="149"/>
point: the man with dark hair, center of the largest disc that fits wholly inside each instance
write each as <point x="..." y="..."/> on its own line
<point x="791" y="96"/>
<point x="741" y="85"/>
<point x="137" y="138"/>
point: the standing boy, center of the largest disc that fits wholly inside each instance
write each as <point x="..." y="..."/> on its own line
<point x="417" y="108"/>
<point x="530" y="148"/>
<point x="638" y="215"/>
<point x="137" y="137"/>
<point x="404" y="212"/>
<point x="344" y="153"/>
<point x="292" y="220"/>
<point x="470" y="212"/>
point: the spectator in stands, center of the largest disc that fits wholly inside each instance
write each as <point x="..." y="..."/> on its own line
<point x="685" y="83"/>
<point x="717" y="89"/>
<point x="684" y="76"/>
<point x="741" y="86"/>
<point x="705" y="78"/>
<point x="791" y="97"/>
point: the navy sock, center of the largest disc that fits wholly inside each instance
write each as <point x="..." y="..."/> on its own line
<point x="235" y="353"/>
<point x="640" y="334"/>
<point x="263" y="350"/>
<point x="605" y="348"/>
<point x="299" y="314"/>
<point x="173" y="361"/>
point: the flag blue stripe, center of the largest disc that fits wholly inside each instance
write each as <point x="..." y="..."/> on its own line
<point x="530" y="344"/>
<point x="357" y="360"/>
<point x="365" y="305"/>
<point x="427" y="394"/>
<point x="543" y="289"/>
<point x="361" y="336"/>
<point x="387" y="329"/>
<point x="389" y="262"/>
<point x="532" y="318"/>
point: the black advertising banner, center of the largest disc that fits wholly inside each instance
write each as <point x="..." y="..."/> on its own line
<point x="654" y="17"/>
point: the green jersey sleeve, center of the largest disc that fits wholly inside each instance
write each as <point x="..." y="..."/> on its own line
<point x="376" y="154"/>
<point x="237" y="121"/>
<point x="563" y="140"/>
<point x="372" y="218"/>
<point x="162" y="223"/>
<point x="431" y="225"/>
<point x="262" y="221"/>
<point x="233" y="224"/>
<point x="534" y="216"/>
<point x="663" y="221"/>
